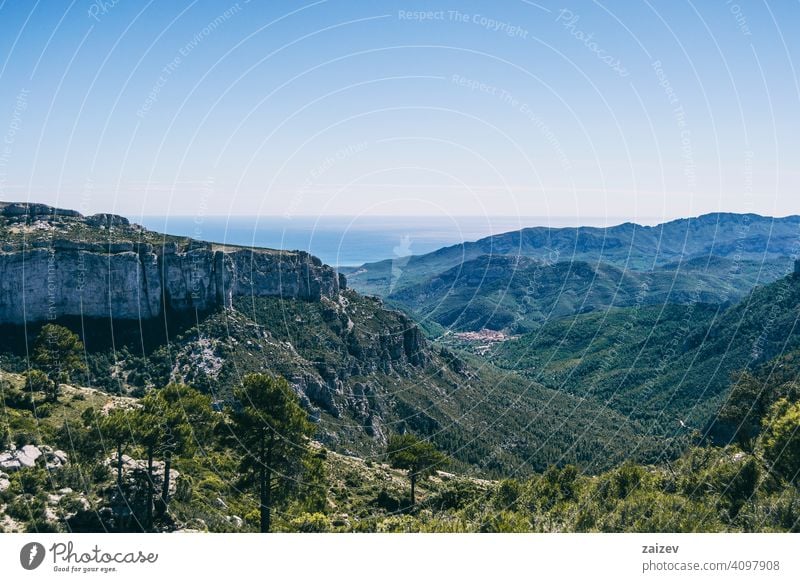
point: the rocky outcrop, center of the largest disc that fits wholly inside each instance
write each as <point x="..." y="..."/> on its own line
<point x="48" y="279"/>
<point x="26" y="457"/>
<point x="25" y="210"/>
<point x="135" y="471"/>
<point x="16" y="459"/>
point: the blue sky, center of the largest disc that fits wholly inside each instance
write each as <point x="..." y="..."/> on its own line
<point x="641" y="110"/>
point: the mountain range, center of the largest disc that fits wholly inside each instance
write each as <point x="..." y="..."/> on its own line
<point x="642" y="328"/>
<point x="153" y="309"/>
<point x="519" y="280"/>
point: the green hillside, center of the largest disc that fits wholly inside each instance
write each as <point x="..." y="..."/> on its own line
<point x="518" y="294"/>
<point x="707" y="489"/>
<point x="668" y="367"/>
<point x="364" y="373"/>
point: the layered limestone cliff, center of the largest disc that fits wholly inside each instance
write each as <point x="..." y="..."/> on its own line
<point x="44" y="276"/>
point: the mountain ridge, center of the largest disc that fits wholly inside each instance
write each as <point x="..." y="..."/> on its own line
<point x="628" y="245"/>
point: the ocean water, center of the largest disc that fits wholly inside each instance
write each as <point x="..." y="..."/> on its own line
<point x="352" y="241"/>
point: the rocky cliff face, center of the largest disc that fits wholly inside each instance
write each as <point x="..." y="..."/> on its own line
<point x="47" y="277"/>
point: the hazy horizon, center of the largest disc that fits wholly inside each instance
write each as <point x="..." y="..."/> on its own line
<point x="353" y="240"/>
<point x="346" y="241"/>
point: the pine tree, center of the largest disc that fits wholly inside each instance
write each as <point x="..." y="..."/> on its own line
<point x="59" y="353"/>
<point x="188" y="419"/>
<point x="116" y="429"/>
<point x="272" y="430"/>
<point x="150" y="433"/>
<point x="419" y="458"/>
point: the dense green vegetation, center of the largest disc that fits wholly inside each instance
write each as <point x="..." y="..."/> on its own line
<point x="104" y="489"/>
<point x="349" y="362"/>
<point x="668" y="367"/>
<point x="590" y="425"/>
<point x="58" y="353"/>
<point x="518" y="294"/>
<point x="709" y="488"/>
<point x="173" y="457"/>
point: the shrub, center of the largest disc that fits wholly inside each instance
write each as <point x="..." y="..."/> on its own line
<point x="32" y="481"/>
<point x="71" y="504"/>
<point x="447" y="524"/>
<point x="24" y="438"/>
<point x="398" y="524"/>
<point x="553" y="487"/>
<point x="26" y="508"/>
<point x="15" y="398"/>
<point x="100" y="473"/>
<point x="646" y="511"/>
<point x="779" y="512"/>
<point x="388" y="501"/>
<point x="622" y="482"/>
<point x="781" y="441"/>
<point x="5" y="437"/>
<point x="506" y="522"/>
<point x="453" y="495"/>
<point x="211" y="484"/>
<point x="507" y="494"/>
<point x="253" y="517"/>
<point x="311" y="523"/>
<point x="43" y="410"/>
<point x="72" y="476"/>
<point x="37" y="381"/>
<point x="183" y="489"/>
<point x="734" y="483"/>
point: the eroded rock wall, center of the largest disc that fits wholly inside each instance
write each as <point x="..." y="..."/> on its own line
<point x="139" y="281"/>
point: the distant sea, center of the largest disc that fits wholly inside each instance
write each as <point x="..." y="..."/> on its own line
<point x="352" y="241"/>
